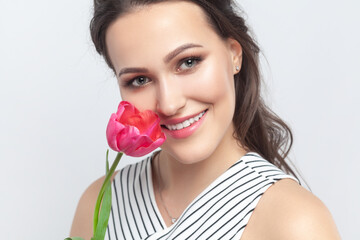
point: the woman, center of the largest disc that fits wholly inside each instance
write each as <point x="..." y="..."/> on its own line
<point x="195" y="64"/>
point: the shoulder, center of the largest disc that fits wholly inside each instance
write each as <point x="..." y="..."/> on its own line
<point x="83" y="220"/>
<point x="289" y="211"/>
<point x="82" y="225"/>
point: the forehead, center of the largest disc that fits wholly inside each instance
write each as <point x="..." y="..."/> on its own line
<point x="157" y="29"/>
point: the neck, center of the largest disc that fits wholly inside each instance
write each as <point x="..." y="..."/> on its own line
<point x="186" y="181"/>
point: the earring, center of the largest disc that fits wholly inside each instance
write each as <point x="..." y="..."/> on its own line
<point x="237" y="68"/>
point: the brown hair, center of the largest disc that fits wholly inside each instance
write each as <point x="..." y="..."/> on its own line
<point x="258" y="129"/>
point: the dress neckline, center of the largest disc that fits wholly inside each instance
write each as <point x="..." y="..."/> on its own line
<point x="203" y="192"/>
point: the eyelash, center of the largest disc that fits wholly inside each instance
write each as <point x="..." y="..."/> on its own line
<point x="196" y="59"/>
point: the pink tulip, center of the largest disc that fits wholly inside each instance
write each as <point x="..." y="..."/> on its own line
<point x="133" y="132"/>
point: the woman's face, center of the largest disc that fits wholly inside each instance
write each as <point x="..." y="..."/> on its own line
<point x="168" y="59"/>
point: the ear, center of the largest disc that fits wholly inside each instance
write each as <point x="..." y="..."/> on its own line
<point x="236" y="54"/>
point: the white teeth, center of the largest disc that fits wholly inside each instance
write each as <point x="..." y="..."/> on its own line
<point x="186" y="123"/>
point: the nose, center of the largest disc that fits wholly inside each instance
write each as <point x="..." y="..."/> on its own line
<point x="170" y="97"/>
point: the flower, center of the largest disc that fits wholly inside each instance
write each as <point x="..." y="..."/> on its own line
<point x="133" y="132"/>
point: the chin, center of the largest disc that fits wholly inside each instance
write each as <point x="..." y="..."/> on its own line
<point x="185" y="154"/>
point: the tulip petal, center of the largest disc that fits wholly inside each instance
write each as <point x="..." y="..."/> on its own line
<point x="143" y="150"/>
<point x="132" y="132"/>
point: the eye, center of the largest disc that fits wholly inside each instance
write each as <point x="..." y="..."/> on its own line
<point x="188" y="63"/>
<point x="138" y="81"/>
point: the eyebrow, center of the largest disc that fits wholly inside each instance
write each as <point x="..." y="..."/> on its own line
<point x="179" y="50"/>
<point x="133" y="70"/>
<point x="166" y="59"/>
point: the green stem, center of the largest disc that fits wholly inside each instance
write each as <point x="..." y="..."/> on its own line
<point x="103" y="187"/>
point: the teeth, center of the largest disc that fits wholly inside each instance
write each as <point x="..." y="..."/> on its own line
<point x="179" y="126"/>
<point x="185" y="123"/>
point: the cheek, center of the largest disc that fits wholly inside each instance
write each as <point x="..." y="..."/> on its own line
<point x="143" y="99"/>
<point x="214" y="84"/>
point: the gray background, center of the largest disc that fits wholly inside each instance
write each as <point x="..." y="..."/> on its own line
<point x="56" y="95"/>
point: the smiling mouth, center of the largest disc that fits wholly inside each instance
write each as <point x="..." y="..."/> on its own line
<point x="184" y="124"/>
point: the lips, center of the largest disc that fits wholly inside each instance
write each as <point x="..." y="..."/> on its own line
<point x="184" y="124"/>
<point x="184" y="127"/>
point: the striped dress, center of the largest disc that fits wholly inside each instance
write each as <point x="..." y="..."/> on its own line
<point x="221" y="211"/>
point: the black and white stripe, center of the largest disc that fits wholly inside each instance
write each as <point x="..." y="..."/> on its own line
<point x="221" y="211"/>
